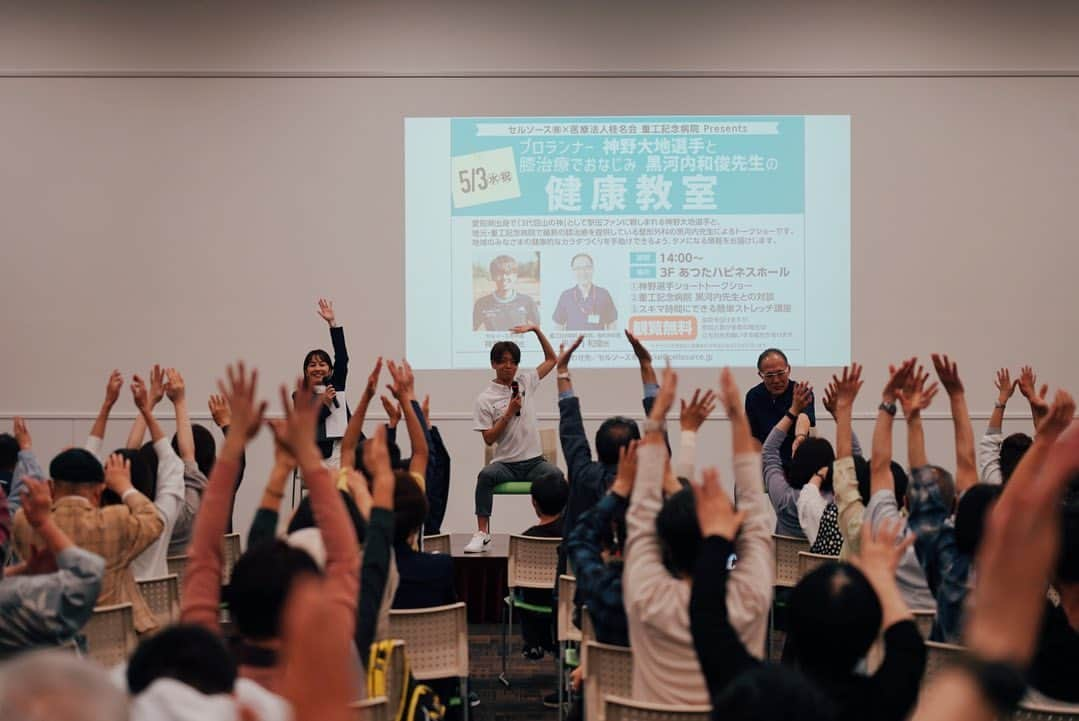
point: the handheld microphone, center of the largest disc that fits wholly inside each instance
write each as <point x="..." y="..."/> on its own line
<point x="516" y="388"/>
<point x="320" y="389"/>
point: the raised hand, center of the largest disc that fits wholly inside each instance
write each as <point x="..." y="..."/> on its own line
<point x="426" y="408"/>
<point x="112" y="387"/>
<point x="22" y="434"/>
<point x="403" y="380"/>
<point x="847" y="386"/>
<point x="297" y="431"/>
<point x="948" y="372"/>
<point x="716" y="513"/>
<point x="219" y="410"/>
<point x="1005" y="385"/>
<point x="239" y="395"/>
<point x="803" y="396"/>
<point x="325" y="311"/>
<point x="36" y="501"/>
<point x="915" y="396"/>
<point x="1027" y="382"/>
<point x="140" y="395"/>
<point x="564" y="355"/>
<point x="118" y="474"/>
<point x="1058" y="417"/>
<point x="393" y="411"/>
<point x="157" y="384"/>
<point x="668" y="388"/>
<point x="524" y="328"/>
<point x="643" y="356"/>
<point x="371" y="388"/>
<point x="729" y="395"/>
<point x="828" y="400"/>
<point x="376" y="454"/>
<point x="174" y="386"/>
<point x="1028" y="386"/>
<point x="897" y="378"/>
<point x="698" y="409"/>
<point x="626" y="475"/>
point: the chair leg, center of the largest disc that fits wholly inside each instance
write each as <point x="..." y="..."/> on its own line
<point x="466" y="707"/>
<point x="507" y="628"/>
<point x="561" y="679"/>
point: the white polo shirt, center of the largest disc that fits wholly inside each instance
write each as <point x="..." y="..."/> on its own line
<point x="520" y="441"/>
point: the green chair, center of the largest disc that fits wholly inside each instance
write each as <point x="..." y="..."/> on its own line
<point x="549" y="447"/>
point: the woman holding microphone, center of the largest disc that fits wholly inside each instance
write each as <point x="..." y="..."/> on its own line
<point x="325" y="377"/>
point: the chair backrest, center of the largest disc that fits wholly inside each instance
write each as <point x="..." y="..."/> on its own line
<point x="371" y="709"/>
<point x="548" y="447"/>
<point x="1028" y="711"/>
<point x="231" y="555"/>
<point x="809" y="562"/>
<point x="533" y="562"/>
<point x="939" y="655"/>
<point x="924" y="620"/>
<point x="608" y="670"/>
<point x="567" y="587"/>
<point x="396" y="668"/>
<point x="162" y="595"/>
<point x="177" y="567"/>
<point x="620" y="708"/>
<point x="787" y="549"/>
<point x="438" y="543"/>
<point x="436" y="639"/>
<point x="110" y="634"/>
<point x="588" y="631"/>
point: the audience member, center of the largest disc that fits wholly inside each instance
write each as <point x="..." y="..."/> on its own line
<point x="9" y="455"/>
<point x="770" y="400"/>
<point x="505" y="415"/>
<point x="997" y="455"/>
<point x="116" y="533"/>
<point x="52" y="685"/>
<point x="664" y="538"/>
<point x="47" y="598"/>
<point x="222" y="415"/>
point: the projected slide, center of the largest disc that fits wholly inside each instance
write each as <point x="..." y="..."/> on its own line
<point x="710" y="238"/>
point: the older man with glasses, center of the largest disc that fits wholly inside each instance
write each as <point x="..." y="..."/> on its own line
<point x="770" y="400"/>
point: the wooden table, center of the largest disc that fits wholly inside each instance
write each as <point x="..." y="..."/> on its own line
<point x="480" y="578"/>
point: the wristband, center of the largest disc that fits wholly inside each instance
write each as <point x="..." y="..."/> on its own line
<point x="888" y="408"/>
<point x="999" y="405"/>
<point x="127" y="493"/>
<point x="1003" y="684"/>
<point x="563" y="376"/>
<point x="794" y="418"/>
<point x="651" y="426"/>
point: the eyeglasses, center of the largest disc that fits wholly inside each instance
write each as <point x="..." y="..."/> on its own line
<point x="774" y="374"/>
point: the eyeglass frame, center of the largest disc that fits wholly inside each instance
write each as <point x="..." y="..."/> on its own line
<point x="774" y="374"/>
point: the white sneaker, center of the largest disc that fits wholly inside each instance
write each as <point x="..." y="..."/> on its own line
<point x="479" y="542"/>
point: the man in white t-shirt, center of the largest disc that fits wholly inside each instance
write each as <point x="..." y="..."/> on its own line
<point x="505" y="415"/>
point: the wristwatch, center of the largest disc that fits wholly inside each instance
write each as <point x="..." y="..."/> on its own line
<point x="999" y="405"/>
<point x="794" y="418"/>
<point x="651" y="426"/>
<point x="888" y="408"/>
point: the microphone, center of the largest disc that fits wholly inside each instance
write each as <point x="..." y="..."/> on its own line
<point x="516" y="388"/>
<point x="320" y="389"/>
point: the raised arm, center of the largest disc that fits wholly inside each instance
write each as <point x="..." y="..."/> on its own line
<point x="176" y="391"/>
<point x="26" y="466"/>
<point x="264" y="526"/>
<point x="1028" y="386"/>
<point x="355" y="424"/>
<point x="839" y="401"/>
<point x="337" y="339"/>
<point x="112" y="394"/>
<point x="880" y="471"/>
<point x="202" y="580"/>
<point x="378" y="541"/>
<point x="550" y="358"/>
<point x="571" y="434"/>
<point x="989" y="445"/>
<point x="156" y="392"/>
<point x="774" y="475"/>
<point x="966" y="471"/>
<point x="749" y="587"/>
<point x="644" y="361"/>
<point x="403" y="389"/>
<point x="692" y="417"/>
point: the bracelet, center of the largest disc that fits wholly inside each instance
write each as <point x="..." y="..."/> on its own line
<point x="651" y="426"/>
<point x="274" y="494"/>
<point x="888" y="408"/>
<point x="1000" y="405"/>
<point x="563" y="376"/>
<point x="127" y="493"/>
<point x="794" y="418"/>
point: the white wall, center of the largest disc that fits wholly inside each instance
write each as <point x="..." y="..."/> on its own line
<point x="194" y="220"/>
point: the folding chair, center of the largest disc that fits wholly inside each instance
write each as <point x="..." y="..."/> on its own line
<point x="438" y="543"/>
<point x="787" y="549"/>
<point x="436" y="642"/>
<point x="231" y="554"/>
<point x="162" y="595"/>
<point x="1028" y="711"/>
<point x="809" y="562"/>
<point x="588" y="631"/>
<point x="567" y="633"/>
<point x="532" y="563"/>
<point x="177" y="567"/>
<point x="372" y="709"/>
<point x="625" y="709"/>
<point x="110" y="634"/>
<point x="608" y="670"/>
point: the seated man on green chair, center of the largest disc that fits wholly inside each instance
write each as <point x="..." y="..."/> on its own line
<point x="506" y="417"/>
